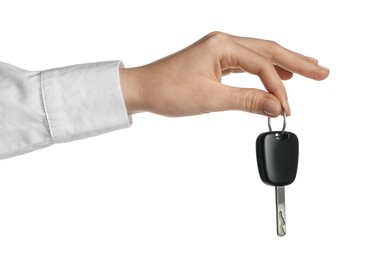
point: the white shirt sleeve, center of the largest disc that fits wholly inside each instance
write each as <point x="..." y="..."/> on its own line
<point x="40" y="108"/>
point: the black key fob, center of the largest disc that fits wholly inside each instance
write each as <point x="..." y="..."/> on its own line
<point x="277" y="157"/>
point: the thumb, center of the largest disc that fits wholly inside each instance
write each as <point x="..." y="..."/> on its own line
<point x="251" y="100"/>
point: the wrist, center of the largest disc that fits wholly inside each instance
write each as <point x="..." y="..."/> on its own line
<point x="130" y="79"/>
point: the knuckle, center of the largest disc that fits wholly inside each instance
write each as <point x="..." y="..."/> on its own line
<point x="271" y="44"/>
<point x="215" y="33"/>
<point x="272" y="48"/>
<point x="251" y="102"/>
<point x="216" y="37"/>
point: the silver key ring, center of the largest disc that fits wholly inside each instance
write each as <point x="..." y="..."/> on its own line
<point x="284" y="124"/>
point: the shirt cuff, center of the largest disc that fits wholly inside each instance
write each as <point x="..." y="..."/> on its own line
<point x="83" y="100"/>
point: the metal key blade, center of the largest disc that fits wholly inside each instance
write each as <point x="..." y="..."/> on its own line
<point x="280" y="211"/>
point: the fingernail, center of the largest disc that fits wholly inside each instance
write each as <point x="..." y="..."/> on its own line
<point x="270" y="107"/>
<point x="323" y="68"/>
<point x="312" y="59"/>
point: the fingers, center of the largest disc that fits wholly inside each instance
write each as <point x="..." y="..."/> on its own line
<point x="310" y="59"/>
<point x="267" y="59"/>
<point x="298" y="64"/>
<point x="287" y="59"/>
<point x="254" y="63"/>
<point x="250" y="100"/>
<point x="274" y="85"/>
<point x="284" y="74"/>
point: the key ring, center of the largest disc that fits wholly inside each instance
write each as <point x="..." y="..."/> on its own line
<point x="284" y="124"/>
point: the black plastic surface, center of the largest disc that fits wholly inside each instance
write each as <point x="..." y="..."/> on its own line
<point x="277" y="158"/>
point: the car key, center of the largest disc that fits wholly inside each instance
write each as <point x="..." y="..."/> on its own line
<point x="277" y="159"/>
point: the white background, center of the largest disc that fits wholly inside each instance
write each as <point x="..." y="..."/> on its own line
<point x="188" y="188"/>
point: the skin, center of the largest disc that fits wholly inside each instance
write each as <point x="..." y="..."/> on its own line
<point x="189" y="82"/>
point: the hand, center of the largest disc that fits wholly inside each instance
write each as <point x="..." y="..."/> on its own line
<point x="189" y="81"/>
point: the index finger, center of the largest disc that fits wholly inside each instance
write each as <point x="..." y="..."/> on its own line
<point x="240" y="56"/>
